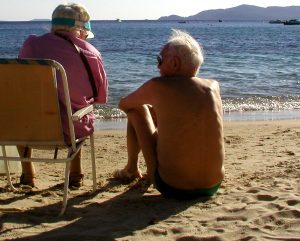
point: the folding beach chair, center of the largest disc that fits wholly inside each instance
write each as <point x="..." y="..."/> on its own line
<point x="30" y="114"/>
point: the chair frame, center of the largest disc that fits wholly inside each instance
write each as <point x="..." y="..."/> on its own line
<point x="74" y="145"/>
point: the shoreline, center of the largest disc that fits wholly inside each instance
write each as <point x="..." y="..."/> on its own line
<point x="249" y="116"/>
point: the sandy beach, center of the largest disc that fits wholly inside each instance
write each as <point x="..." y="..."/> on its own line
<point x="258" y="200"/>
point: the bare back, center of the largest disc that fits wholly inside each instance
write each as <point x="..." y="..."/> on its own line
<point x="190" y="147"/>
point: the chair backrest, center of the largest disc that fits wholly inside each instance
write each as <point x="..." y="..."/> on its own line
<point x="29" y="104"/>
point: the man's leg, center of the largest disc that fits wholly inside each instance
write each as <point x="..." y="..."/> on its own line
<point x="141" y="136"/>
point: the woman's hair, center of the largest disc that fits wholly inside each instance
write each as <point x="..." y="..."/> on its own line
<point x="187" y="49"/>
<point x="71" y="11"/>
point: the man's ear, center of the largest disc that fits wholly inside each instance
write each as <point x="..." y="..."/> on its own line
<point x="176" y="64"/>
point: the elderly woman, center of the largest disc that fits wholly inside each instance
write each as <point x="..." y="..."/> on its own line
<point x="66" y="43"/>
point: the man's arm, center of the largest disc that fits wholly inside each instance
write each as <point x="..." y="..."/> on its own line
<point x="143" y="95"/>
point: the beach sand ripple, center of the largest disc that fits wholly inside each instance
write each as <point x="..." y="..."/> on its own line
<point x="259" y="198"/>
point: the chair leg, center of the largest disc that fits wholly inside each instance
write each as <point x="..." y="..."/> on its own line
<point x="66" y="185"/>
<point x="8" y="171"/>
<point x="8" y="176"/>
<point x="93" y="162"/>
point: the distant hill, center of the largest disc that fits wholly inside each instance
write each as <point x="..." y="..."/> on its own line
<point x="243" y="13"/>
<point x="40" y="19"/>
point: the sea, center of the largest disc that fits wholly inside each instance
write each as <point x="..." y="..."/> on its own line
<point x="257" y="64"/>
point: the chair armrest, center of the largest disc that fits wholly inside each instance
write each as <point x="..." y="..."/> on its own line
<point x="82" y="112"/>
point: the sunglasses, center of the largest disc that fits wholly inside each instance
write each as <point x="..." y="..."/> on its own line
<point x="159" y="59"/>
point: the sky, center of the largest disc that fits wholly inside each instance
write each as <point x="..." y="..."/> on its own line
<point x="22" y="10"/>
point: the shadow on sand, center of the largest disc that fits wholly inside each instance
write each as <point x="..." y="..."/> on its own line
<point x="120" y="216"/>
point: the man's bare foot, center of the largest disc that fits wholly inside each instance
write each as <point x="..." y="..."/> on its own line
<point x="125" y="176"/>
<point x="148" y="177"/>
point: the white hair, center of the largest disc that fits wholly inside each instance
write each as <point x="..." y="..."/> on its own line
<point x="70" y="10"/>
<point x="187" y="48"/>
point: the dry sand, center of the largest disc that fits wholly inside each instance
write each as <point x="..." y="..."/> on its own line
<point x="258" y="200"/>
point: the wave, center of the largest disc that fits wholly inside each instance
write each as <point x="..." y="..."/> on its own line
<point x="230" y="105"/>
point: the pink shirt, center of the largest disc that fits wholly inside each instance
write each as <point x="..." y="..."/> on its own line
<point x="50" y="46"/>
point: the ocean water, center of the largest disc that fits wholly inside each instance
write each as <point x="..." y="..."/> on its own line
<point x="256" y="63"/>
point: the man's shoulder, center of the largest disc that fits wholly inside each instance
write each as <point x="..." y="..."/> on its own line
<point x="157" y="78"/>
<point x="166" y="79"/>
<point x="179" y="80"/>
<point x="154" y="81"/>
<point x="204" y="80"/>
<point x="210" y="83"/>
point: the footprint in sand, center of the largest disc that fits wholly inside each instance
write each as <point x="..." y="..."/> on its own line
<point x="266" y="197"/>
<point x="254" y="190"/>
<point x="233" y="139"/>
<point x="196" y="238"/>
<point x="232" y="218"/>
<point x="279" y="218"/>
<point x="293" y="202"/>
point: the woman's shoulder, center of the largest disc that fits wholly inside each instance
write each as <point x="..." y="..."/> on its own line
<point x="85" y="45"/>
<point x="32" y="38"/>
<point x="91" y="48"/>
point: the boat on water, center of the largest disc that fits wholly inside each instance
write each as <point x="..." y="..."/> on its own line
<point x="118" y="20"/>
<point x="292" y="22"/>
<point x="277" y="21"/>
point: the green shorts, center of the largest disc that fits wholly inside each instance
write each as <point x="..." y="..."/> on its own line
<point x="181" y="194"/>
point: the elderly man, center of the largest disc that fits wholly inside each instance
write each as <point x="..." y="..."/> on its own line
<point x="176" y="120"/>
